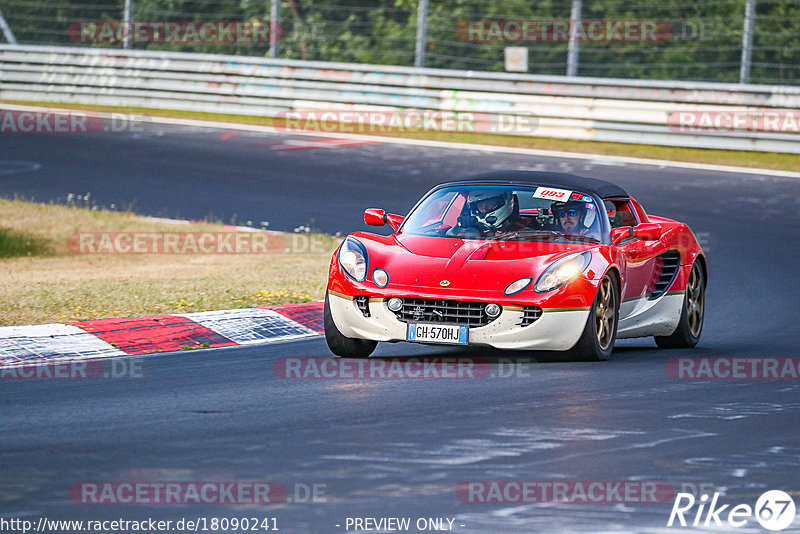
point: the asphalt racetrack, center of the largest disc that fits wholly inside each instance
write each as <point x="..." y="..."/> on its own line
<point x="400" y="448"/>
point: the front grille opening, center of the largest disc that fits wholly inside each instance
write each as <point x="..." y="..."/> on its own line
<point x="529" y="315"/>
<point x="665" y="273"/>
<point x="443" y="311"/>
<point x="362" y="303"/>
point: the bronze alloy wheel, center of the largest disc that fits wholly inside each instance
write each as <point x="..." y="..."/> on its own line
<point x="695" y="300"/>
<point x="605" y="314"/>
<point x="690" y="325"/>
<point x="597" y="340"/>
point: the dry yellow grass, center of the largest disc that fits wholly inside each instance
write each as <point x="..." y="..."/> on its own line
<point x="56" y="285"/>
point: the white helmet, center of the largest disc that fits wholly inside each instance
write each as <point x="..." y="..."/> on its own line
<point x="495" y="207"/>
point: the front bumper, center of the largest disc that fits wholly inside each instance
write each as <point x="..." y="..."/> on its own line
<point x="556" y="329"/>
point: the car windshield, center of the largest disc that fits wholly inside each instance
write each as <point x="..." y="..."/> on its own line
<point x="501" y="212"/>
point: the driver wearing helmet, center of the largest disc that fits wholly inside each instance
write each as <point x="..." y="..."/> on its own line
<point x="491" y="212"/>
<point x="571" y="217"/>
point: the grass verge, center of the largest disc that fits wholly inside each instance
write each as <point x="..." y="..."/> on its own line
<point x="42" y="280"/>
<point x="739" y="158"/>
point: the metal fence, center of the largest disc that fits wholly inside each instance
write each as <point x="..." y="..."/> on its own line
<point x="755" y="41"/>
<point x="743" y="117"/>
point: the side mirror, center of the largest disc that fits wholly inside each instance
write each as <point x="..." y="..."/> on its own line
<point x="375" y="217"/>
<point x="646" y="231"/>
<point x="378" y="217"/>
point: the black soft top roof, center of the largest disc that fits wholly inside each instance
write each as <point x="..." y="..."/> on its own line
<point x="601" y="188"/>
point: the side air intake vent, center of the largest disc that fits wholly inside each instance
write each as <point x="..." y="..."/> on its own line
<point x="362" y="302"/>
<point x="529" y="315"/>
<point x="667" y="265"/>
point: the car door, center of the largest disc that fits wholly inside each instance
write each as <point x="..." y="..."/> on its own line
<point x="639" y="257"/>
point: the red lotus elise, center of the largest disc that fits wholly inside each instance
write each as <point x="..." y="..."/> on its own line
<point x="518" y="260"/>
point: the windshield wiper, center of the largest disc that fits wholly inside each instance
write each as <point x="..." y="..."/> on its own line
<point x="528" y="233"/>
<point x="581" y="238"/>
<point x="550" y="234"/>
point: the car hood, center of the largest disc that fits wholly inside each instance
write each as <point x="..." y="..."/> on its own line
<point x="465" y="263"/>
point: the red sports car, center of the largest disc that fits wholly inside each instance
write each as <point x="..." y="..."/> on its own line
<point x="518" y="260"/>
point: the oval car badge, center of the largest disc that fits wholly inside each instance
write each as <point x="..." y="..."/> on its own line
<point x="444" y="283"/>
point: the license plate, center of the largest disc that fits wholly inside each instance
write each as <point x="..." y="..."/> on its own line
<point x="435" y="333"/>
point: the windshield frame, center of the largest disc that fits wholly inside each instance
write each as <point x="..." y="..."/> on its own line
<point x="605" y="224"/>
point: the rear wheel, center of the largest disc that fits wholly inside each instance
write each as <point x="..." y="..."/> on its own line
<point x="341" y="345"/>
<point x="690" y="325"/>
<point x="597" y="341"/>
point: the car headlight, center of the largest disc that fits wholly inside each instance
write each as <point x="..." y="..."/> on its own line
<point x="353" y="259"/>
<point x="519" y="285"/>
<point x="563" y="271"/>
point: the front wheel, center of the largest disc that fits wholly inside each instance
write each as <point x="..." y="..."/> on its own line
<point x="341" y="345"/>
<point x="597" y="341"/>
<point x="690" y="326"/>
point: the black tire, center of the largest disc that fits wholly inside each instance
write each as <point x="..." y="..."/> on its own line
<point x="341" y="345"/>
<point x="597" y="341"/>
<point x="690" y="326"/>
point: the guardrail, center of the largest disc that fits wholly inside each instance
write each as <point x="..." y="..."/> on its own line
<point x="627" y="111"/>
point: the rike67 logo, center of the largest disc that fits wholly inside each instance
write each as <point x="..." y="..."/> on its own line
<point x="774" y="510"/>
